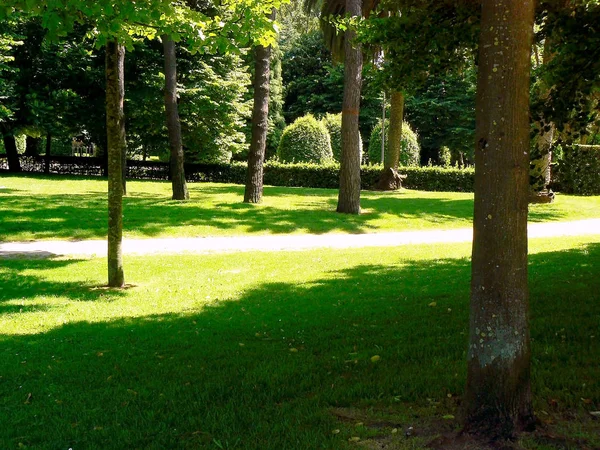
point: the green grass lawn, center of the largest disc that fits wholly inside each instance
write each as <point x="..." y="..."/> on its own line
<point x="37" y="207"/>
<point x="273" y="350"/>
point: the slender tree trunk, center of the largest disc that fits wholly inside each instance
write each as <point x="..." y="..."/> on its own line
<point x="541" y="153"/>
<point x="115" y="131"/>
<point x="32" y="146"/>
<point x="180" y="190"/>
<point x="260" y="123"/>
<point x="349" y="195"/>
<point x="390" y="179"/>
<point x="48" y="153"/>
<point x="124" y="166"/>
<point x="383" y="130"/>
<point x="498" y="394"/>
<point x="12" y="154"/>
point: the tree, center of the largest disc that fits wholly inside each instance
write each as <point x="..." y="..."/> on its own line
<point x="115" y="133"/>
<point x="349" y="194"/>
<point x="313" y="83"/>
<point x="389" y="179"/>
<point x="180" y="190"/>
<point x="260" y="123"/>
<point x="118" y="23"/>
<point x="498" y="400"/>
<point x="442" y="110"/>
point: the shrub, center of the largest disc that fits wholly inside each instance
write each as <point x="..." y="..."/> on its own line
<point x="276" y="173"/>
<point x="410" y="152"/>
<point x="579" y="171"/>
<point x="445" y="156"/>
<point x="305" y="140"/>
<point x="327" y="176"/>
<point x="333" y="123"/>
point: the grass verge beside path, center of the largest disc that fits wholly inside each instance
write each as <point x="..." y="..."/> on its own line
<point x="274" y="350"/>
<point x="37" y="207"/>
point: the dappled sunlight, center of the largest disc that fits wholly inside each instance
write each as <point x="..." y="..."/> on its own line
<point x="225" y="341"/>
<point x="72" y="208"/>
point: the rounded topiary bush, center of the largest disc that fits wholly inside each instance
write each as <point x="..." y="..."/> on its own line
<point x="410" y="152"/>
<point x="305" y="140"/>
<point x="333" y="123"/>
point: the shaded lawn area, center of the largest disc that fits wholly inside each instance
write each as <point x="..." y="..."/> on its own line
<point x="37" y="207"/>
<point x="273" y="350"/>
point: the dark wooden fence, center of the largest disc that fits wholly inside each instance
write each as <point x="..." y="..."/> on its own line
<point x="144" y="170"/>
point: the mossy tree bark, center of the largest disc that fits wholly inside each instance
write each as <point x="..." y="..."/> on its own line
<point x="115" y="131"/>
<point x="498" y="395"/>
<point x="349" y="194"/>
<point x="260" y="123"/>
<point x="389" y="179"/>
<point x="12" y="154"/>
<point x="179" y="186"/>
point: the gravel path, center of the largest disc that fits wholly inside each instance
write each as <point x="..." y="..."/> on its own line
<point x="267" y="243"/>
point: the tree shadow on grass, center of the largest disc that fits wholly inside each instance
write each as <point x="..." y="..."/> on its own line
<point x="430" y="209"/>
<point x="83" y="216"/>
<point x="28" y="287"/>
<point x="261" y="371"/>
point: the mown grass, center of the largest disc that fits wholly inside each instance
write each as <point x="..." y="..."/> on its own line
<point x="37" y="207"/>
<point x="273" y="350"/>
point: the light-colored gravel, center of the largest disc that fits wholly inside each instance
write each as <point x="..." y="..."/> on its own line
<point x="270" y="243"/>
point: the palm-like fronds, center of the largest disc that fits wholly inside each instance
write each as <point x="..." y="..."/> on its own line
<point x="334" y="40"/>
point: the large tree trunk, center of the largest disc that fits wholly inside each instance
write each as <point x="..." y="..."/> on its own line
<point x="180" y="190"/>
<point x="349" y="195"/>
<point x="260" y="123"/>
<point x="498" y="394"/>
<point x="12" y="154"/>
<point x="390" y="179"/>
<point x="48" y="153"/>
<point x="115" y="132"/>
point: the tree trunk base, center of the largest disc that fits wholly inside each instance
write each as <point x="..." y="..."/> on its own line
<point x="390" y="180"/>
<point x="542" y="197"/>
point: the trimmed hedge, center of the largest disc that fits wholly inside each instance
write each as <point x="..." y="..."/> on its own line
<point x="410" y="152"/>
<point x="306" y="140"/>
<point x="578" y="172"/>
<point x="276" y="173"/>
<point x="327" y="176"/>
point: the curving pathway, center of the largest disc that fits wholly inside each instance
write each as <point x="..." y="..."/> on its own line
<point x="268" y="243"/>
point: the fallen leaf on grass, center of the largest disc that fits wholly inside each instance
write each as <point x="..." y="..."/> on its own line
<point x="375" y="358"/>
<point x="433" y="304"/>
